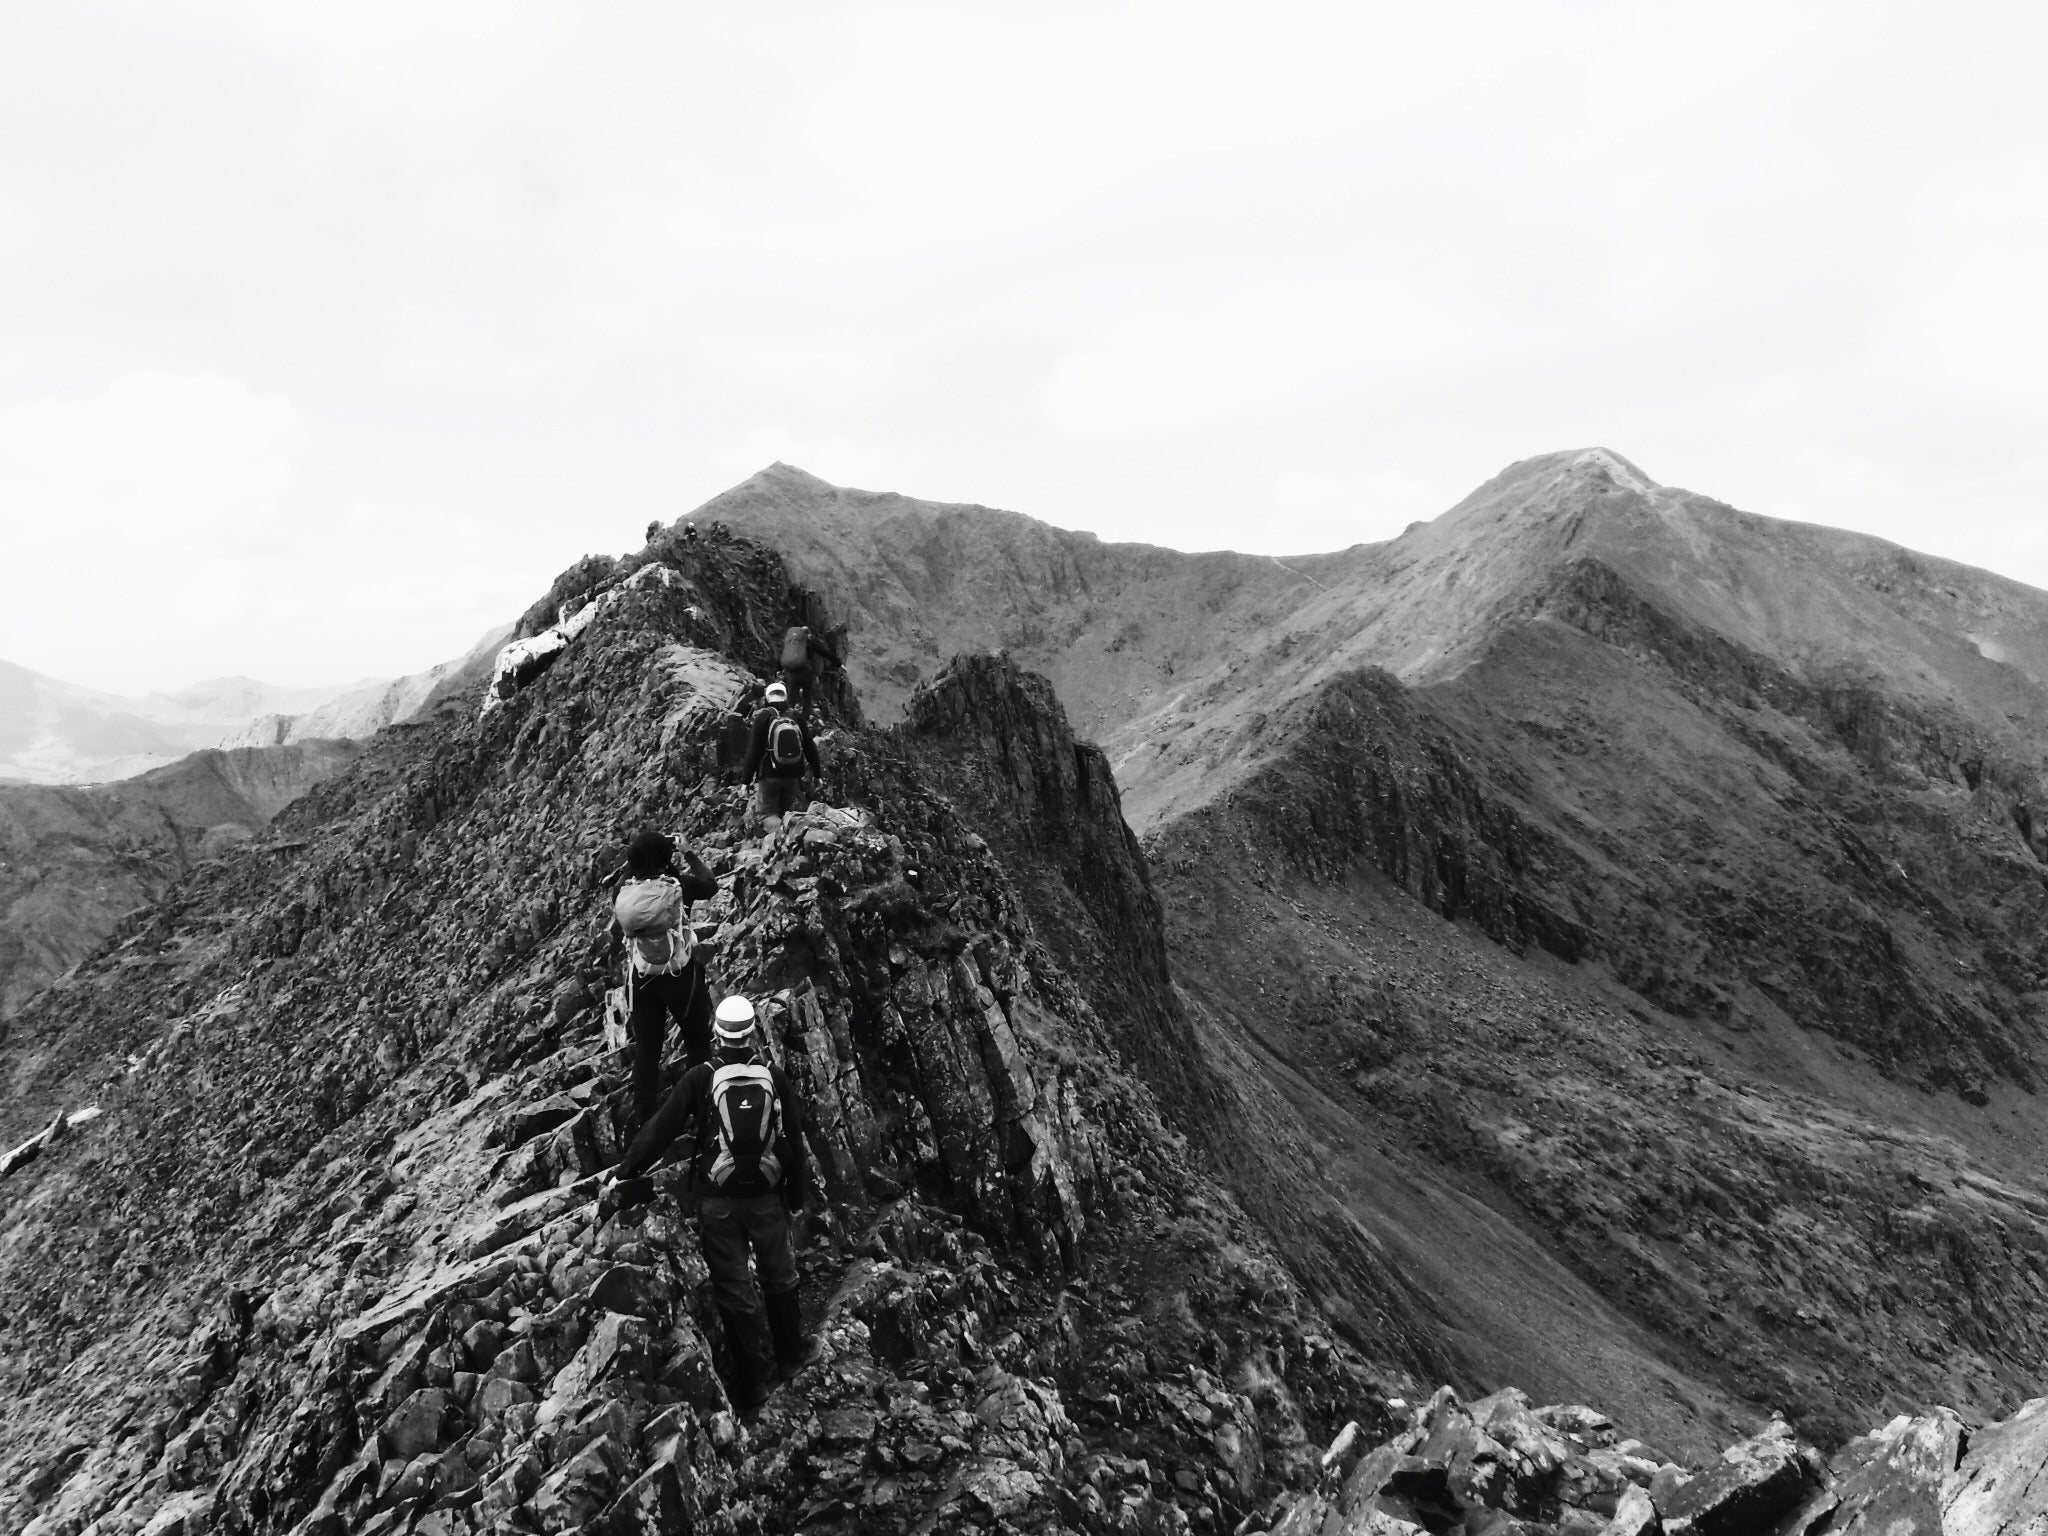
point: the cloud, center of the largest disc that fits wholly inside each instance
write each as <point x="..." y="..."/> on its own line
<point x="1278" y="277"/>
<point x="154" y="458"/>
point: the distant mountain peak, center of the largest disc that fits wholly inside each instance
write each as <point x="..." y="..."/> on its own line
<point x="1616" y="466"/>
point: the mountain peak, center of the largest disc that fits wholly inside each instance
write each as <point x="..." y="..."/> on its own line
<point x="1615" y="466"/>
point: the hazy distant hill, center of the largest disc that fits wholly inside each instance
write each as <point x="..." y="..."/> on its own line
<point x="365" y="709"/>
<point x="74" y="857"/>
<point x="54" y="732"/>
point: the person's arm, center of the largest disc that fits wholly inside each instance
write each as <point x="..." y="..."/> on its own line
<point x="757" y="744"/>
<point x="668" y="1122"/>
<point x="698" y="884"/>
<point x="796" y="1167"/>
<point x="811" y="752"/>
<point x="824" y="648"/>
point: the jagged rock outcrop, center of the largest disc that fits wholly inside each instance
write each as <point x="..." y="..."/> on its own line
<point x="1499" y="1465"/>
<point x="997" y="743"/>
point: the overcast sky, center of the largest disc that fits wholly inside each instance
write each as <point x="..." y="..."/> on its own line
<point x="328" y="334"/>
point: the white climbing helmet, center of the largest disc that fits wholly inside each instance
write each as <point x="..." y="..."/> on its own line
<point x="735" y="1021"/>
<point x="776" y="694"/>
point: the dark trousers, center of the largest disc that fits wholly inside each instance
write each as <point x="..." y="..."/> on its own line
<point x="655" y="998"/>
<point x="774" y="797"/>
<point x="729" y="1228"/>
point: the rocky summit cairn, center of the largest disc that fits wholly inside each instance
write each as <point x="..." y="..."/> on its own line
<point x="328" y="1260"/>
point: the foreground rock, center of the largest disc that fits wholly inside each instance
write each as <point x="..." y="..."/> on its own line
<point x="1499" y="1466"/>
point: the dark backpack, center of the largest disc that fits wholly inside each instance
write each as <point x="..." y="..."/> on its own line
<point x="746" y="1130"/>
<point x="785" y="743"/>
<point x="796" y="646"/>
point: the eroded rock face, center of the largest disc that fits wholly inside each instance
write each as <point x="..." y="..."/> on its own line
<point x="2000" y="1488"/>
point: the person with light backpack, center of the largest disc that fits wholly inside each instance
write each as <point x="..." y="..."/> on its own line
<point x="779" y="752"/>
<point x="751" y="1176"/>
<point x="804" y="656"/>
<point x="664" y="974"/>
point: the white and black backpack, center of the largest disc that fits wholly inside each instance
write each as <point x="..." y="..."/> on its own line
<point x="746" y="1128"/>
<point x="785" y="743"/>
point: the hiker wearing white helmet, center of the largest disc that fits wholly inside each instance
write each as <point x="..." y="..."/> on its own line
<point x="749" y="1169"/>
<point x="779" y="751"/>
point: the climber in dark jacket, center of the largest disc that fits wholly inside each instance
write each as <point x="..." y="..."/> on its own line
<point x="805" y="655"/>
<point x="777" y="786"/>
<point x="745" y="1200"/>
<point x="676" y="987"/>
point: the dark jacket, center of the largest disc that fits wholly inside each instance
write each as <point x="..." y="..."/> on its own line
<point x="757" y="764"/>
<point x="690" y="1100"/>
<point x="821" y="650"/>
<point x="698" y="884"/>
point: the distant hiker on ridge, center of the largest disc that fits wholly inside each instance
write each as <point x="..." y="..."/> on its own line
<point x="664" y="974"/>
<point x="778" y="752"/>
<point x="804" y="657"/>
<point x="749" y="1168"/>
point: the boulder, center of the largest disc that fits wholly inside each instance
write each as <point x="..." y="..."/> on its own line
<point x="1634" y="1515"/>
<point x="2001" y="1487"/>
<point x="1758" y="1482"/>
<point x="1891" y="1480"/>
<point x="632" y="1288"/>
<point x="521" y="1125"/>
<point x="652" y="1505"/>
<point x="414" y="1428"/>
<point x="568" y="1500"/>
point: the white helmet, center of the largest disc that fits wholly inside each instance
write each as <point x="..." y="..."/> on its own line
<point x="776" y="694"/>
<point x="734" y="1024"/>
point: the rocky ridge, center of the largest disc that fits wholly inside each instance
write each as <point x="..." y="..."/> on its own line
<point x="327" y="1261"/>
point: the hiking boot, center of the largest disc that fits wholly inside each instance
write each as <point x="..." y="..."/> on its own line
<point x="743" y="1341"/>
<point x="786" y="1326"/>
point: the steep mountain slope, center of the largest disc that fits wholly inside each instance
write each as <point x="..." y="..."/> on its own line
<point x="326" y="1261"/>
<point x="1734" y="819"/>
<point x="74" y="860"/>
